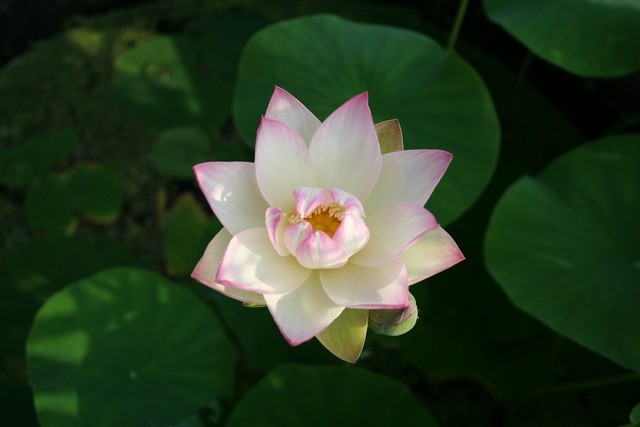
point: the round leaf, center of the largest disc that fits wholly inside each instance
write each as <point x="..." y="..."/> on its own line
<point x="23" y="163"/>
<point x="126" y="347"/>
<point x="177" y="150"/>
<point x="46" y="265"/>
<point x="97" y="192"/>
<point x="163" y="81"/>
<point x="438" y="99"/>
<point x="564" y="246"/>
<point x="183" y="228"/>
<point x="595" y="38"/>
<point x="294" y="395"/>
<point x="634" y="417"/>
<point x="221" y="52"/>
<point x="48" y="206"/>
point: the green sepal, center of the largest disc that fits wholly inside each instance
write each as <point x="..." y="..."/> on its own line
<point x="389" y="136"/>
<point x="394" y="322"/>
<point x="345" y="336"/>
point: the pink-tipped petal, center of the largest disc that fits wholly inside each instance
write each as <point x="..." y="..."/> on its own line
<point x="233" y="194"/>
<point x="250" y="263"/>
<point x="393" y="230"/>
<point x="286" y="108"/>
<point x="344" y="150"/>
<point x="282" y="163"/>
<point x="296" y="233"/>
<point x="346" y="200"/>
<point x="207" y="267"/>
<point x="352" y="234"/>
<point x="367" y="287"/>
<point x="304" y="312"/>
<point x="277" y="223"/>
<point x="307" y="199"/>
<point x="318" y="250"/>
<point x="432" y="253"/>
<point x="408" y="176"/>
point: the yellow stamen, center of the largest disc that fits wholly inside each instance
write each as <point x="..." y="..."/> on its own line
<point x="324" y="218"/>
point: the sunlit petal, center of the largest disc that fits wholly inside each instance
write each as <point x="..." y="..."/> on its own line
<point x="207" y="268"/>
<point x="367" y="287"/>
<point x="233" y="194"/>
<point x="282" y="163"/>
<point x="286" y="108"/>
<point x="277" y="223"/>
<point x="432" y="253"/>
<point x="408" y="176"/>
<point x="318" y="250"/>
<point x="352" y="234"/>
<point x="393" y="230"/>
<point x="250" y="263"/>
<point x="304" y="312"/>
<point x="307" y="199"/>
<point x="344" y="150"/>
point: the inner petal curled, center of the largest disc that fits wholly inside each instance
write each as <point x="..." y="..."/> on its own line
<point x="326" y="229"/>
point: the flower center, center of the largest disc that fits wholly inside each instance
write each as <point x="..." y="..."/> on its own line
<point x="326" y="218"/>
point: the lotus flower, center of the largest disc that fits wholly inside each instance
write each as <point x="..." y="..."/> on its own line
<point x="323" y="227"/>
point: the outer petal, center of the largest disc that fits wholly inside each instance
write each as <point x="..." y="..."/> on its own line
<point x="392" y="230"/>
<point x="408" y="176"/>
<point x="250" y="263"/>
<point x="232" y="192"/>
<point x="432" y="253"/>
<point x="304" y="312"/>
<point x="282" y="163"/>
<point x="345" y="152"/>
<point x="367" y="287"/>
<point x="277" y="223"/>
<point x="345" y="336"/>
<point x="207" y="267"/>
<point x="286" y="108"/>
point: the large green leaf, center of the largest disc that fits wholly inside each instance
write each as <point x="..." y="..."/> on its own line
<point x="634" y="417"/>
<point x="256" y="332"/>
<point x="126" y="347"/>
<point x="177" y="150"/>
<point x="48" y="206"/>
<point x="46" y="265"/>
<point x="183" y="229"/>
<point x="221" y="52"/>
<point x="595" y="38"/>
<point x="97" y="192"/>
<point x="163" y="81"/>
<point x="22" y="164"/>
<point x="564" y="246"/>
<point x="439" y="100"/>
<point x="293" y="395"/>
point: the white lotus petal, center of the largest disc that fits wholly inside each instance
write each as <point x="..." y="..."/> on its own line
<point x="304" y="312"/>
<point x="367" y="287"/>
<point x="251" y="263"/>
<point x="432" y="253"/>
<point x="207" y="268"/>
<point x="233" y="194"/>
<point x="393" y="230"/>
<point x="282" y="163"/>
<point x="286" y="108"/>
<point x="277" y="223"/>
<point x="345" y="152"/>
<point x="407" y="176"/>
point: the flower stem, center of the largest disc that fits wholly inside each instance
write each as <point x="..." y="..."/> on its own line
<point x="453" y="36"/>
<point x="587" y="385"/>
